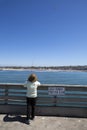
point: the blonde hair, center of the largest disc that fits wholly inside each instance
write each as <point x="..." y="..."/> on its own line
<point x="32" y="78"/>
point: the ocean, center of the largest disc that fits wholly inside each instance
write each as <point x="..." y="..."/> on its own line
<point x="45" y="77"/>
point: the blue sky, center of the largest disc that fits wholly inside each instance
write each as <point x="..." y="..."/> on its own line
<point x="43" y="32"/>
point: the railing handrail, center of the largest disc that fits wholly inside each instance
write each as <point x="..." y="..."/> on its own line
<point x="16" y="93"/>
<point x="66" y="85"/>
<point x="72" y="102"/>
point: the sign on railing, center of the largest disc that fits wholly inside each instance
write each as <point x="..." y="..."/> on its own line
<point x="56" y="91"/>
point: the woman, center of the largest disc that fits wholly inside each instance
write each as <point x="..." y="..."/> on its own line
<point x="31" y="95"/>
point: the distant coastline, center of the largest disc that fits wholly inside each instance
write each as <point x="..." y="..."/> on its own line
<point x="46" y="68"/>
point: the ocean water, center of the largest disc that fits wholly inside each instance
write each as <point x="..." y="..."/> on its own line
<point x="45" y="77"/>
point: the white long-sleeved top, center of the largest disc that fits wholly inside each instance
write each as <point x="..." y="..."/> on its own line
<point x="31" y="88"/>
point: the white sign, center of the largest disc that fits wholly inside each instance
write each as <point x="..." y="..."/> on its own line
<point x="55" y="91"/>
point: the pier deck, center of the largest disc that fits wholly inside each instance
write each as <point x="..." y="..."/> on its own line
<point x="42" y="123"/>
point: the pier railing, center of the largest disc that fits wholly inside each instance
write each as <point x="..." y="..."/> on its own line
<point x="69" y="100"/>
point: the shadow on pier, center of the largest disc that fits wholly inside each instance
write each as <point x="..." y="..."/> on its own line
<point x="14" y="118"/>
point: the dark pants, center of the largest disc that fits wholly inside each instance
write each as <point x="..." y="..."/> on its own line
<point x="31" y="102"/>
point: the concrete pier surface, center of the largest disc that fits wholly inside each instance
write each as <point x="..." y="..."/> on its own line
<point x="16" y="122"/>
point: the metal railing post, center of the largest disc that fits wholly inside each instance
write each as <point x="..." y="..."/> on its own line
<point x="6" y="95"/>
<point x="55" y="100"/>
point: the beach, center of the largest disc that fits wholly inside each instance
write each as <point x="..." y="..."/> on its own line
<point x="13" y="122"/>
